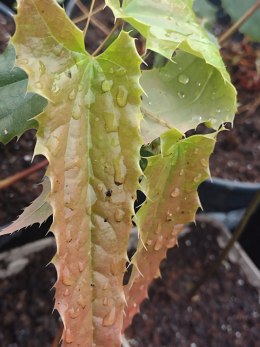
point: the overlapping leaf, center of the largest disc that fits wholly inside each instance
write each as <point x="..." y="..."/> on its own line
<point x="170" y="183"/>
<point x="183" y="94"/>
<point x="38" y="212"/>
<point x="170" y="25"/>
<point x="90" y="134"/>
<point x="17" y="107"/>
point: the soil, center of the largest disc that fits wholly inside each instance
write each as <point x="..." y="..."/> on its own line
<point x="223" y="313"/>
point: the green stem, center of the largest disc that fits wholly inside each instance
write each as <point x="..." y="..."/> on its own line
<point x="238" y="24"/>
<point x="239" y="230"/>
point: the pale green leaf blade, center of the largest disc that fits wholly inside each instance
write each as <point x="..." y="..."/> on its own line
<point x="38" y="212"/>
<point x="168" y="25"/>
<point x="183" y="94"/>
<point x="90" y="134"/>
<point x="236" y="9"/>
<point x="17" y="108"/>
<point x="170" y="183"/>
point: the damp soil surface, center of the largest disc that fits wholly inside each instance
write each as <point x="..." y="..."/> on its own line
<point x="223" y="313"/>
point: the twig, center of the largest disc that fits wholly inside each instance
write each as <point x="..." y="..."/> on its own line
<point x="89" y="17"/>
<point x="84" y="16"/>
<point x="239" y="230"/>
<point x="238" y="24"/>
<point x="115" y="27"/>
<point x="20" y="175"/>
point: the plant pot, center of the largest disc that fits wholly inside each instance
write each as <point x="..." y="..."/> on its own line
<point x="222" y="195"/>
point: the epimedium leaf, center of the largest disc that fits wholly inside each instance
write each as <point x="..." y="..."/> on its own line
<point x="90" y="134"/>
<point x="172" y="201"/>
<point x="38" y="212"/>
<point x="237" y="9"/>
<point x="167" y="26"/>
<point x="183" y="94"/>
<point x="17" y="107"/>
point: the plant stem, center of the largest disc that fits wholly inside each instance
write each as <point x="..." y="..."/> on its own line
<point x="89" y="17"/>
<point x="237" y="233"/>
<point x="20" y="175"/>
<point x="238" y="24"/>
<point x="117" y="24"/>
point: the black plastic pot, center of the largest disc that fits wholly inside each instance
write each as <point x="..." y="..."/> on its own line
<point x="221" y="195"/>
<point x="6" y="10"/>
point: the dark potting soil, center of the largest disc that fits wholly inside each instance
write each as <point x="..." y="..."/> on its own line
<point x="224" y="312"/>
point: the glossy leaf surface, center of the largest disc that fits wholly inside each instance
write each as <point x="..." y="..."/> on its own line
<point x="90" y="134"/>
<point x="170" y="184"/>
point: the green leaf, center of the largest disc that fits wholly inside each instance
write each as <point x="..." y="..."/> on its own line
<point x="183" y="94"/>
<point x="90" y="134"/>
<point x="17" y="108"/>
<point x="38" y="212"/>
<point x="172" y="201"/>
<point x="170" y="25"/>
<point x="237" y="9"/>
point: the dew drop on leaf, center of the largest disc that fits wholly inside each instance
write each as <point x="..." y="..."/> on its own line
<point x="197" y="178"/>
<point x="175" y="193"/>
<point x="121" y="71"/>
<point x="42" y="67"/>
<point x="68" y="336"/>
<point x="158" y="243"/>
<point x="149" y="242"/>
<point x="55" y="89"/>
<point x="106" y="85"/>
<point x="67" y="278"/>
<point x="183" y="79"/>
<point x="110" y="317"/>
<point x="72" y="95"/>
<point x="181" y="95"/>
<point x="204" y="162"/>
<point x="122" y="95"/>
<point x="38" y="85"/>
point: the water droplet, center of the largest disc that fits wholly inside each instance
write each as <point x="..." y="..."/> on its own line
<point x="110" y="317"/>
<point x="110" y="122"/>
<point x="158" y="243"/>
<point x="198" y="84"/>
<point x="121" y="71"/>
<point x="106" y="85"/>
<point x="177" y="228"/>
<point x="175" y="193"/>
<point x="82" y="301"/>
<point x="68" y="336"/>
<point x="181" y="95"/>
<point x="171" y="243"/>
<point x="181" y="172"/>
<point x="169" y="216"/>
<point x="74" y="313"/>
<point x="67" y="278"/>
<point x="204" y="162"/>
<point x="76" y="115"/>
<point x="218" y="110"/>
<point x="66" y="292"/>
<point x="105" y="301"/>
<point x="121" y="97"/>
<point x="119" y="170"/>
<point x="55" y="89"/>
<point x="183" y="79"/>
<point x="5" y="131"/>
<point x="197" y="178"/>
<point x="149" y="242"/>
<point x="42" y="67"/>
<point x="119" y="215"/>
<point x="81" y="266"/>
<point x="72" y="95"/>
<point x="38" y="85"/>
